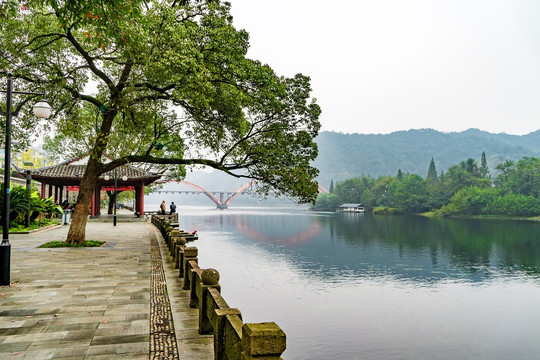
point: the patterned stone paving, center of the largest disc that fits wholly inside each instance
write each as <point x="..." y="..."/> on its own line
<point x="162" y="337"/>
<point x="96" y="304"/>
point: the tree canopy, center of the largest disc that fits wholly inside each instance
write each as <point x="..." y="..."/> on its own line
<point x="466" y="189"/>
<point x="163" y="83"/>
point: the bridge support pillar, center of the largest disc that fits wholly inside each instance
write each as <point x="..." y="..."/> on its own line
<point x="222" y="206"/>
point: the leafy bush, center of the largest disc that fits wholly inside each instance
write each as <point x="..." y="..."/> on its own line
<point x="21" y="204"/>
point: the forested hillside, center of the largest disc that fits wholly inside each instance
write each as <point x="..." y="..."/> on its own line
<point x="343" y="156"/>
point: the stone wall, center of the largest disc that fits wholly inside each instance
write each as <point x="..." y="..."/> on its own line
<point x="233" y="339"/>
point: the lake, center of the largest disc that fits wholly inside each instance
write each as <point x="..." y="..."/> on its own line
<point x="355" y="286"/>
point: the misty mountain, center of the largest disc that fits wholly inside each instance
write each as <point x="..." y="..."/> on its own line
<point x="342" y="156"/>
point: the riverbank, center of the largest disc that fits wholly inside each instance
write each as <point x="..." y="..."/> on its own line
<point x="432" y="214"/>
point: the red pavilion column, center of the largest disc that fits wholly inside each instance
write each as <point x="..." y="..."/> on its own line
<point x="93" y="205"/>
<point x="141" y="198"/>
<point x="42" y="190"/>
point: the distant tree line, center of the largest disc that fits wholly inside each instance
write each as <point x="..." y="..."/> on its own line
<point x="467" y="188"/>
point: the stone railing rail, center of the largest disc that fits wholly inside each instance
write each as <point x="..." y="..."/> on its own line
<point x="233" y="339"/>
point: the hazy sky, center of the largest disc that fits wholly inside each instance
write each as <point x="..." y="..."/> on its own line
<point x="380" y="66"/>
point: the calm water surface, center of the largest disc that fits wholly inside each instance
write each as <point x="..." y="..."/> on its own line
<point x="352" y="286"/>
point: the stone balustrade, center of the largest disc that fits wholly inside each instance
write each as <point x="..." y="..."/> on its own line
<point x="233" y="339"/>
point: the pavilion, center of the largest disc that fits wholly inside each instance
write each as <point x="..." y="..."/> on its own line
<point x="59" y="180"/>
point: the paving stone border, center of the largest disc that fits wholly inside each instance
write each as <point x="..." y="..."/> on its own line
<point x="163" y="344"/>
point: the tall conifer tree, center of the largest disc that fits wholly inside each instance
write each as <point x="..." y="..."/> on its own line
<point x="432" y="172"/>
<point x="484" y="169"/>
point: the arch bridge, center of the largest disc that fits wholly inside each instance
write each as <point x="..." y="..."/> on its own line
<point x="225" y="197"/>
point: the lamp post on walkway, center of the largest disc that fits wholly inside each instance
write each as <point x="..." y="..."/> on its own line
<point x="28" y="190"/>
<point x="124" y="178"/>
<point x="42" y="110"/>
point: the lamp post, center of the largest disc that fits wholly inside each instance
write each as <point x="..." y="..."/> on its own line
<point x="124" y="178"/>
<point x="42" y="110"/>
<point x="28" y="190"/>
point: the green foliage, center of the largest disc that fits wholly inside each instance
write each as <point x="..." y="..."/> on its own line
<point x="173" y="88"/>
<point x="465" y="189"/>
<point x="327" y="202"/>
<point x="34" y="225"/>
<point x="342" y="156"/>
<point x="385" y="210"/>
<point x="432" y="172"/>
<point x="522" y="177"/>
<point x="490" y="201"/>
<point x="60" y="244"/>
<point x="21" y="204"/>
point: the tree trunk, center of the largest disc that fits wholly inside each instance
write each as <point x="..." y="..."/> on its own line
<point x="77" y="229"/>
<point x="111" y="202"/>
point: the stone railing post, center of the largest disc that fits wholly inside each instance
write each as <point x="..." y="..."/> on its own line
<point x="210" y="280"/>
<point x="173" y="234"/>
<point x="196" y="282"/>
<point x="263" y="341"/>
<point x="221" y="316"/>
<point x="190" y="253"/>
<point x="179" y="252"/>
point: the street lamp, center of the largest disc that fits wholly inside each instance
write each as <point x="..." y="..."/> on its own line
<point x="42" y="110"/>
<point x="28" y="190"/>
<point x="124" y="178"/>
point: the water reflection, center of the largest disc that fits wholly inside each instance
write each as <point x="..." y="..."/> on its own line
<point x="406" y="247"/>
<point x="362" y="287"/>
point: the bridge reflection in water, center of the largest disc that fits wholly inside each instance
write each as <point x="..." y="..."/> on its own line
<point x="225" y="197"/>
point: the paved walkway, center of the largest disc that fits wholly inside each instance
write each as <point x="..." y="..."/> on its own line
<point x="114" y="302"/>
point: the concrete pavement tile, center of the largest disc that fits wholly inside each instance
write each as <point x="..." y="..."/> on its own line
<point x="109" y="350"/>
<point x="80" y="335"/>
<point x="58" y="344"/>
<point x="76" y="352"/>
<point x="117" y="356"/>
<point x="59" y="326"/>
<point x="196" y="349"/>
<point x="21" y="330"/>
<point x="122" y="339"/>
<point x="133" y="317"/>
<point x="122" y="324"/>
<point x="44" y="354"/>
<point x="14" y="346"/>
<point x="126" y="330"/>
<point x="35" y="337"/>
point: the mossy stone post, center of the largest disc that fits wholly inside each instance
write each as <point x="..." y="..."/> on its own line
<point x="179" y="252"/>
<point x="220" y="319"/>
<point x="195" y="282"/>
<point x="263" y="340"/>
<point x="190" y="253"/>
<point x="210" y="280"/>
<point x="173" y="234"/>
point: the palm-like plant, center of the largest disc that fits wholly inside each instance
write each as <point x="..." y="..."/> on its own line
<point x="21" y="203"/>
<point x="18" y="203"/>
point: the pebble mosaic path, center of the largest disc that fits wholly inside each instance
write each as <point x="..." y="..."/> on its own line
<point x="162" y="336"/>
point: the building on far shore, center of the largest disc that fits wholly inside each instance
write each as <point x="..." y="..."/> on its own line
<point x="350" y="207"/>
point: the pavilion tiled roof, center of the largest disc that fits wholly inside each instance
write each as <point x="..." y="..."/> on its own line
<point x="77" y="171"/>
<point x="67" y="172"/>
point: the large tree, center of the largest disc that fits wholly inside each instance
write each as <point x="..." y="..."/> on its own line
<point x="161" y="82"/>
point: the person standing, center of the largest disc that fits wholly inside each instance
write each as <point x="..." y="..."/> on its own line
<point x="173" y="208"/>
<point x="162" y="208"/>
